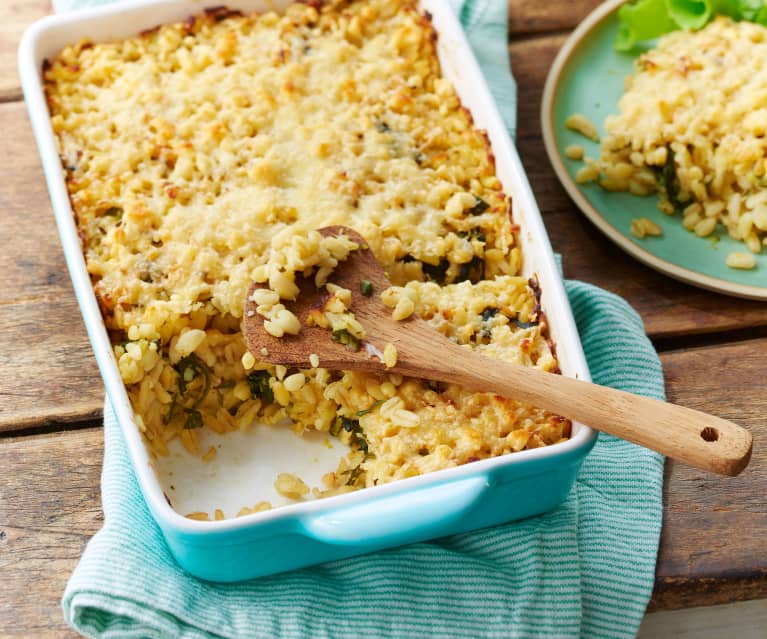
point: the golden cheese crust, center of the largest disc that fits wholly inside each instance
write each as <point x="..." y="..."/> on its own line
<point x="190" y="149"/>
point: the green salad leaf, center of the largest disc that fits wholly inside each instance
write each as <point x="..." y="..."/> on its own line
<point x="642" y="20"/>
<point x="753" y="11"/>
<point x="645" y="20"/>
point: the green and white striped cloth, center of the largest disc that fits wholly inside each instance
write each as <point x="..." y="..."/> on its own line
<point x="583" y="570"/>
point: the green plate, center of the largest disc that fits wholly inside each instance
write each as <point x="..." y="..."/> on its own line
<point x="587" y="77"/>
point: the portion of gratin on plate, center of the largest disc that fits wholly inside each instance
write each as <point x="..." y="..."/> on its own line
<point x="692" y="127"/>
<point x="197" y="152"/>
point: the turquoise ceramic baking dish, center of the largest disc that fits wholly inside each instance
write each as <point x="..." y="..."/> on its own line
<point x="475" y="495"/>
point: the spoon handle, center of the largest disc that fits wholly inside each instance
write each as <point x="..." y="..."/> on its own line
<point x="684" y="434"/>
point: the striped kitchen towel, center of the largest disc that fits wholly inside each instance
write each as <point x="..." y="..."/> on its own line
<point x="583" y="570"/>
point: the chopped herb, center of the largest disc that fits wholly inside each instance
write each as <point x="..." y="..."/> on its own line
<point x="419" y="158"/>
<point x="373" y="406"/>
<point x="193" y="419"/>
<point x="343" y="423"/>
<point x="436" y="273"/>
<point x="354" y="475"/>
<point x="668" y="180"/>
<point x="353" y="426"/>
<point x="171" y="409"/>
<point x="366" y="288"/>
<point x="525" y="324"/>
<point x="342" y="336"/>
<point x="190" y="368"/>
<point x="475" y="267"/>
<point x="350" y="426"/>
<point x="114" y="211"/>
<point x="488" y="314"/>
<point x="259" y="386"/>
<point x="382" y="127"/>
<point x="480" y="206"/>
<point x="362" y="443"/>
<point x="473" y="234"/>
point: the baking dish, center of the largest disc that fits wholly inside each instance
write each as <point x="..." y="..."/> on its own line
<point x="479" y="494"/>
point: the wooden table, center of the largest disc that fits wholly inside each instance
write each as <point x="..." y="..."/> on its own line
<point x="714" y="541"/>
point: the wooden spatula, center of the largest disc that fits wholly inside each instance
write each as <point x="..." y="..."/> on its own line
<point x="687" y="435"/>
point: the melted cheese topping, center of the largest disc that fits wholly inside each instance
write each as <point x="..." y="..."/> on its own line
<point x="190" y="148"/>
<point x="213" y="138"/>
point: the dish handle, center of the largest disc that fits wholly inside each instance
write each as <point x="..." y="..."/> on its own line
<point x="382" y="521"/>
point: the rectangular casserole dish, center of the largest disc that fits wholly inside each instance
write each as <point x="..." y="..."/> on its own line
<point x="459" y="499"/>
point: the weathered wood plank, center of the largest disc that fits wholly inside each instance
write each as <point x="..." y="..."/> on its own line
<point x="49" y="502"/>
<point x="713" y="546"/>
<point x="668" y="308"/>
<point x="49" y="373"/>
<point x="49" y="507"/>
<point x="744" y="619"/>
<point x="15" y="16"/>
<point x="526" y="18"/>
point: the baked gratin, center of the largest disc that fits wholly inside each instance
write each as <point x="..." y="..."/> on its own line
<point x="691" y="126"/>
<point x="195" y="152"/>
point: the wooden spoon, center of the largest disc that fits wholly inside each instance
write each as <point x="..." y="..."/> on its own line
<point x="687" y="435"/>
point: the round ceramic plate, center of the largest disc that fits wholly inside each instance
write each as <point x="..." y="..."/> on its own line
<point x="587" y="77"/>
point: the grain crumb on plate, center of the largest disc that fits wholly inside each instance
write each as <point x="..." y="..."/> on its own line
<point x="574" y="151"/>
<point x="739" y="260"/>
<point x="581" y="124"/>
<point x="588" y="173"/>
<point x="642" y="226"/>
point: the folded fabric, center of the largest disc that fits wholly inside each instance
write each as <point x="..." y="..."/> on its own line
<point x="585" y="569"/>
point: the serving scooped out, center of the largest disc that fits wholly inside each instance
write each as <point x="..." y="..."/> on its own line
<point x="689" y="436"/>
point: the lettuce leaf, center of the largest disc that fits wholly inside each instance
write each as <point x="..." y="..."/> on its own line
<point x="691" y="14"/>
<point x="647" y="19"/>
<point x="642" y="20"/>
